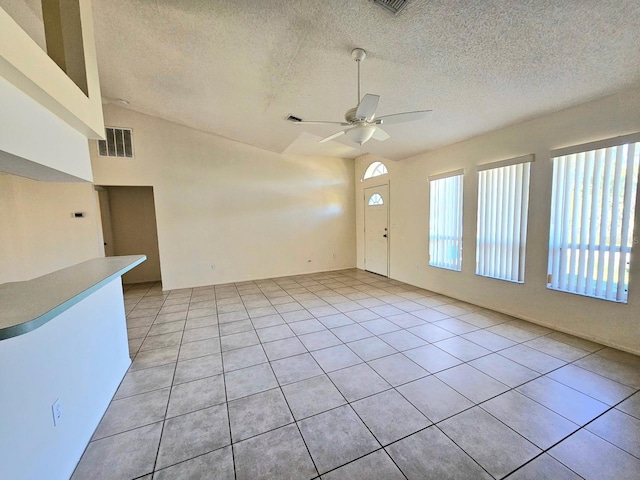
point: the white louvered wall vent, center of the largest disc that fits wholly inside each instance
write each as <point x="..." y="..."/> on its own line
<point x="118" y="143"/>
<point x="393" y="6"/>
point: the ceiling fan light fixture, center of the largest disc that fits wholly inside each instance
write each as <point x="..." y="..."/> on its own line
<point x="361" y="133"/>
<point x="362" y="120"/>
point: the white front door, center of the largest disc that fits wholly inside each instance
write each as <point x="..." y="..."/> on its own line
<point x="376" y="229"/>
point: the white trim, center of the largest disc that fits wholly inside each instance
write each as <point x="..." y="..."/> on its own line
<point x="506" y="163"/>
<point x="440" y="176"/>
<point x="586" y="147"/>
<point x="366" y="170"/>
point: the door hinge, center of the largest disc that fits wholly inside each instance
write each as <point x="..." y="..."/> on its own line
<point x="549" y="278"/>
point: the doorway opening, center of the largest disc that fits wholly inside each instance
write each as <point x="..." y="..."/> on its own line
<point x="129" y="227"/>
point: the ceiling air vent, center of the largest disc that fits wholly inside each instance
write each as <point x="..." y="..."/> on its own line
<point x="118" y="143"/>
<point x="393" y="6"/>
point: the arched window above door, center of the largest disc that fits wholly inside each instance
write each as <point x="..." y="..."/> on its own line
<point x="374" y="170"/>
<point x="376" y="199"/>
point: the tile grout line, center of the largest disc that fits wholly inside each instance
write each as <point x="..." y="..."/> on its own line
<point x="155" y="462"/>
<point x="428" y="343"/>
<point x="295" y="422"/>
<point x="226" y="397"/>
<point x="390" y="388"/>
<point x="382" y="447"/>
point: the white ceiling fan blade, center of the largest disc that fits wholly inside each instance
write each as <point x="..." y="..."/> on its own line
<point x="331" y="137"/>
<point x="317" y="122"/>
<point x="402" y="117"/>
<point x="380" y="135"/>
<point x="367" y="106"/>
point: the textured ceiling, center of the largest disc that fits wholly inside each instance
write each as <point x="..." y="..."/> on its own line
<point x="238" y="68"/>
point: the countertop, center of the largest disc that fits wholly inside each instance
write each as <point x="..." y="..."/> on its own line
<point x="25" y="306"/>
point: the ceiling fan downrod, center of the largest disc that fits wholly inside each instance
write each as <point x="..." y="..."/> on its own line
<point x="358" y="54"/>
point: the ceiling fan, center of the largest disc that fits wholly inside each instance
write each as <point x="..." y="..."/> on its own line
<point x="361" y="120"/>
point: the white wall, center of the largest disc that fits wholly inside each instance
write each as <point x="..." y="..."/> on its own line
<point x="613" y="324"/>
<point x="35" y="143"/>
<point x="78" y="362"/>
<point x="247" y="212"/>
<point x="38" y="235"/>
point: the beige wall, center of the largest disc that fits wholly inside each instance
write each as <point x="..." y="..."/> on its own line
<point x="230" y="212"/>
<point x="38" y="234"/>
<point x="132" y="218"/>
<point x="614" y="324"/>
<point x="44" y="123"/>
<point x="27" y="66"/>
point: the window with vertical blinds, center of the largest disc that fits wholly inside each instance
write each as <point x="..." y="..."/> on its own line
<point x="445" y="221"/>
<point x="592" y="218"/>
<point x="503" y="206"/>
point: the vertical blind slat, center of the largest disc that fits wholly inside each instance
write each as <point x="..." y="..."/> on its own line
<point x="499" y="232"/>
<point x="596" y="189"/>
<point x="604" y="221"/>
<point x="556" y="221"/>
<point x="575" y="216"/>
<point x="515" y="229"/>
<point x="566" y="227"/>
<point x="524" y="215"/>
<point x="480" y="224"/>
<point x="625" y="241"/>
<point x="614" y="233"/>
<point x="509" y="252"/>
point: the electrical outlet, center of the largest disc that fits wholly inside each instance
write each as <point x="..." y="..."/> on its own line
<point x="56" y="408"/>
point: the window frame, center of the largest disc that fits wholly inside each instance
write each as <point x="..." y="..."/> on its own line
<point x="381" y="202"/>
<point x="373" y="167"/>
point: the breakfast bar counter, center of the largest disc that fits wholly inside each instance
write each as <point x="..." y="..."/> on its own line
<point x="63" y="353"/>
<point x="28" y="305"/>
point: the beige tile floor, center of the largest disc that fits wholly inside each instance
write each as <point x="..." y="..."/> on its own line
<point x="348" y="375"/>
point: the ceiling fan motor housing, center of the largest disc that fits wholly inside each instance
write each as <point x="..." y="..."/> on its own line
<point x="350" y="115"/>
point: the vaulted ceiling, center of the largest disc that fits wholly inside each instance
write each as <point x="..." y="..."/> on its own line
<point x="238" y="68"/>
